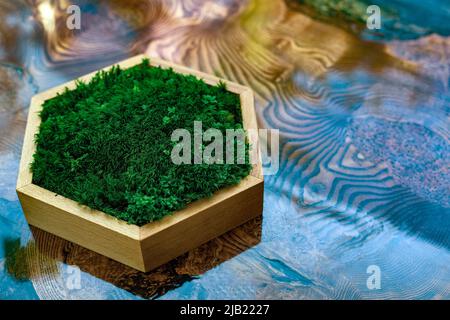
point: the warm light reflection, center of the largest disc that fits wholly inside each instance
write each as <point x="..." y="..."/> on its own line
<point x="47" y="15"/>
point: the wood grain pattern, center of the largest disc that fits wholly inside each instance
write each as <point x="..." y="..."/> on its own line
<point x="152" y="245"/>
<point x="200" y="222"/>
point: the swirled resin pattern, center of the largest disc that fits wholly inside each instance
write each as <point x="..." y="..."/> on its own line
<point x="364" y="146"/>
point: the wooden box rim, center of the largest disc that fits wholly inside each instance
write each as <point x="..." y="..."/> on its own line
<point x="24" y="181"/>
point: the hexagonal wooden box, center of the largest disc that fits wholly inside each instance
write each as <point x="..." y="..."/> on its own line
<point x="155" y="243"/>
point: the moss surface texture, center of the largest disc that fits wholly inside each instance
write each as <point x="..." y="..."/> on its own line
<point x="107" y="144"/>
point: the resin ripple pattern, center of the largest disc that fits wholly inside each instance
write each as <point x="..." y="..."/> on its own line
<point x="364" y="151"/>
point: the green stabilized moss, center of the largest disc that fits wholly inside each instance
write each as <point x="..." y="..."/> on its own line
<point x="351" y="10"/>
<point x="351" y="14"/>
<point x="107" y="143"/>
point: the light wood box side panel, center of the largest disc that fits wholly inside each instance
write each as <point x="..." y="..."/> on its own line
<point x="203" y="226"/>
<point x="83" y="212"/>
<point x="250" y="124"/>
<point x="197" y="206"/>
<point x="88" y="234"/>
<point x="29" y="147"/>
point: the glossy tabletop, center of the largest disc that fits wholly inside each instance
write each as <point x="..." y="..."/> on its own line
<point x="363" y="182"/>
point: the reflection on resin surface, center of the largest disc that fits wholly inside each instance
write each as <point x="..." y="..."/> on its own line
<point x="364" y="168"/>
